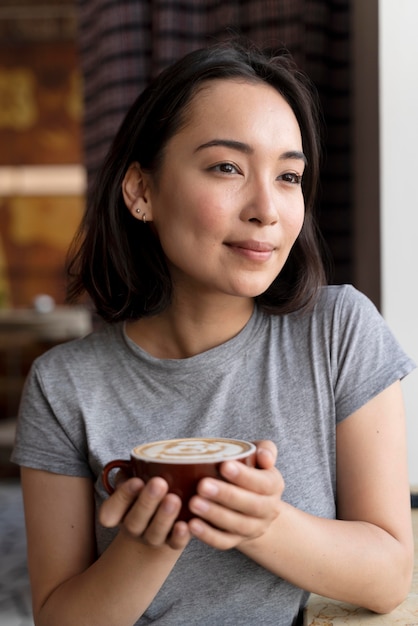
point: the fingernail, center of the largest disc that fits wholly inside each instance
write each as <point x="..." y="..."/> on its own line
<point x="154" y="489"/>
<point x="169" y="506"/>
<point x="209" y="488"/>
<point x="134" y="486"/>
<point x="196" y="527"/>
<point x="230" y="469"/>
<point x="181" y="529"/>
<point x="265" y="451"/>
<point x="199" y="505"/>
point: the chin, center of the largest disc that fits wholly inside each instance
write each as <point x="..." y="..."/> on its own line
<point x="250" y="292"/>
<point x="252" y="288"/>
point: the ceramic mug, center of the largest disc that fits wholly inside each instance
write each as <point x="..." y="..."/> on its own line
<point x="182" y="463"/>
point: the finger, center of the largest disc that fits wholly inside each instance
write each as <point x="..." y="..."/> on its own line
<point x="162" y="523"/>
<point x="222" y="527"/>
<point x="261" y="481"/>
<point x="146" y="505"/>
<point x="228" y="519"/>
<point x="118" y="504"/>
<point x="266" y="454"/>
<point x="216" y="507"/>
<point x="180" y="536"/>
<point x="212" y="536"/>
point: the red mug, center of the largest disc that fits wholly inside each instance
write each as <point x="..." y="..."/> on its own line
<point x="182" y="463"/>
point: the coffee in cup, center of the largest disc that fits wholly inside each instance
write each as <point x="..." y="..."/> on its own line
<point x="182" y="463"/>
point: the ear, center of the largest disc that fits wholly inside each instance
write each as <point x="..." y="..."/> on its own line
<point x="136" y="190"/>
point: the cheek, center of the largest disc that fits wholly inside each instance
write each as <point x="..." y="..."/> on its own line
<point x="206" y="212"/>
<point x="294" y="219"/>
<point x="189" y="217"/>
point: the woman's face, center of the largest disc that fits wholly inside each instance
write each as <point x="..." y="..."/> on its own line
<point x="227" y="204"/>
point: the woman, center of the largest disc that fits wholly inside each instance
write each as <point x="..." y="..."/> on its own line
<point x="199" y="251"/>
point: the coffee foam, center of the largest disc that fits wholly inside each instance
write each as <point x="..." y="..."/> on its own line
<point x="194" y="450"/>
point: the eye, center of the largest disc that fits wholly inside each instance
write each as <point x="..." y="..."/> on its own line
<point x="226" y="168"/>
<point x="291" y="177"/>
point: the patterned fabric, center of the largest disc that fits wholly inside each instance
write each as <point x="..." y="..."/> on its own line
<point x="124" y="43"/>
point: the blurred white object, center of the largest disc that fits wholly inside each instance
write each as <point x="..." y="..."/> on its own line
<point x="43" y="303"/>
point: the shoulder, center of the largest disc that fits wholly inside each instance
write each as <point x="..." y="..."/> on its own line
<point x="360" y="338"/>
<point x="98" y="347"/>
<point x="335" y="304"/>
<point x="343" y="306"/>
<point x="350" y="315"/>
<point x="341" y="317"/>
<point x="334" y="307"/>
<point x="342" y="298"/>
<point x="70" y="374"/>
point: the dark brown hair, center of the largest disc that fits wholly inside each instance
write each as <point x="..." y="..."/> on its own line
<point x="117" y="259"/>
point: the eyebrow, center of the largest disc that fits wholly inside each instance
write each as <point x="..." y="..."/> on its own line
<point x="247" y="149"/>
<point x="294" y="154"/>
<point x="227" y="143"/>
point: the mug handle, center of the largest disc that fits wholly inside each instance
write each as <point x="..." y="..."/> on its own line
<point x="119" y="464"/>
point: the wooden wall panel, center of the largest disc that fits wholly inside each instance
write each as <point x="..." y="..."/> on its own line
<point x="40" y="125"/>
<point x="36" y="232"/>
<point x="41" y="106"/>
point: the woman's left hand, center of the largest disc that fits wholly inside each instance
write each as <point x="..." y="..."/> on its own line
<point x="242" y="507"/>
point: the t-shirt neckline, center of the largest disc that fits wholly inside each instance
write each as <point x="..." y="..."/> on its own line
<point x="222" y="352"/>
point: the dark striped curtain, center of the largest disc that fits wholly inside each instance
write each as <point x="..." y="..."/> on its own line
<point x="124" y="43"/>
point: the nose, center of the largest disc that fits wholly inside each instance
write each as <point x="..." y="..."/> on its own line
<point x="260" y="203"/>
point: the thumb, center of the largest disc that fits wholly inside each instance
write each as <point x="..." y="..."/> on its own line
<point x="266" y="454"/>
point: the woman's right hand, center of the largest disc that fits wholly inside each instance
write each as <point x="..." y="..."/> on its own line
<point x="146" y="512"/>
<point x="60" y="517"/>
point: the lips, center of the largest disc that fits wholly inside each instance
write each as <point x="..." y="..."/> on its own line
<point x="259" y="251"/>
<point x="255" y="246"/>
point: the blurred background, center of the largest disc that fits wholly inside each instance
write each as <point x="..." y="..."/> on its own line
<point x="42" y="185"/>
<point x="68" y="72"/>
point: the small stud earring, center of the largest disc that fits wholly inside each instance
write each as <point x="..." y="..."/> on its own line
<point x="138" y="210"/>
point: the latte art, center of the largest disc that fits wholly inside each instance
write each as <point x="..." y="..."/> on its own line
<point x="193" y="450"/>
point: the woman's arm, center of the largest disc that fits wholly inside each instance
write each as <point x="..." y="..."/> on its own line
<point x="69" y="586"/>
<point x="366" y="556"/>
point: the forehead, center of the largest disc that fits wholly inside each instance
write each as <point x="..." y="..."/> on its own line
<point x="238" y="106"/>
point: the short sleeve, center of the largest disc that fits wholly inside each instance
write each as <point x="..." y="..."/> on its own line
<point x="45" y="440"/>
<point x="366" y="356"/>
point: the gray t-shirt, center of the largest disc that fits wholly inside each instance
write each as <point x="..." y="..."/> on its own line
<point x="288" y="378"/>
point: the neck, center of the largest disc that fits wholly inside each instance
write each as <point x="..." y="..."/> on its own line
<point x="186" y="329"/>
